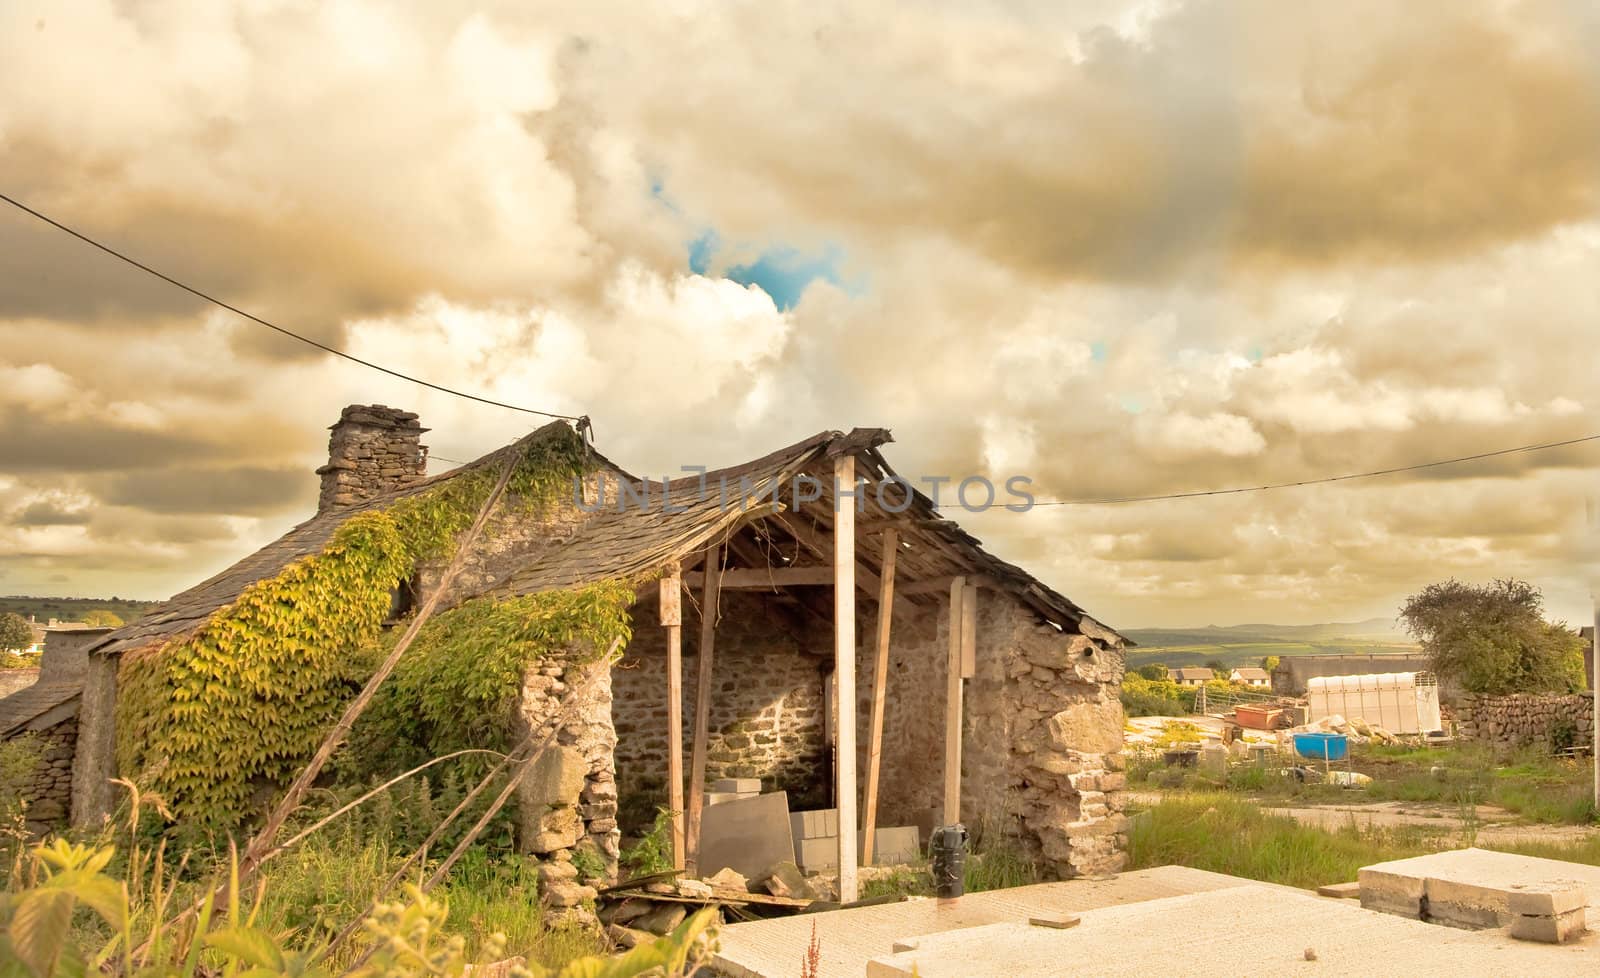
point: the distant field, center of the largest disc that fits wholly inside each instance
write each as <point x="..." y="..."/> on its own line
<point x="1249" y="653"/>
<point x="73" y="609"/>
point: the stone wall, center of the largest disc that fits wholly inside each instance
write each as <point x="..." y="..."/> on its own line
<point x="1527" y="719"/>
<point x="94" y="762"/>
<point x="1041" y="757"/>
<point x="768" y="702"/>
<point x="567" y="804"/>
<point x="1042" y="745"/>
<point x="373" y="448"/>
<point x="47" y="789"/>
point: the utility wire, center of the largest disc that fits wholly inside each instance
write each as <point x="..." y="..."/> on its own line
<point x="272" y="326"/>
<point x="1277" y="485"/>
<point x="1314" y="482"/>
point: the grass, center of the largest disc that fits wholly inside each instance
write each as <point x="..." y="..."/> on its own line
<point x="311" y="892"/>
<point x="996" y="862"/>
<point x="1530" y="784"/>
<point x="1227" y="834"/>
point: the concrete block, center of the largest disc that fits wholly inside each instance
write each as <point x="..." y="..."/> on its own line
<point x="1546" y="899"/>
<point x="1394" y="893"/>
<point x="737" y="785"/>
<point x="1340" y="891"/>
<point x="894" y="845"/>
<point x="817" y="854"/>
<point x="815" y="824"/>
<point x="718" y="797"/>
<point x="749" y="835"/>
<point x="1557" y="929"/>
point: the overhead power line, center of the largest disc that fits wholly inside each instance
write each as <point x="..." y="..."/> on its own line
<point x="273" y="326"/>
<point x="1314" y="482"/>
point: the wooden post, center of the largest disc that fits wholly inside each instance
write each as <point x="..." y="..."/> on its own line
<point x="969" y="631"/>
<point x="844" y="667"/>
<point x="709" y="596"/>
<point x="672" y="619"/>
<point x="952" y="707"/>
<point x="880" y="679"/>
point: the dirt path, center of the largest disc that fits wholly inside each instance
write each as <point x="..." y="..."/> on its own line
<point x="1494" y="825"/>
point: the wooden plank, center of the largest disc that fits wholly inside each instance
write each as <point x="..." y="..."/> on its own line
<point x="880" y="685"/>
<point x="969" y="631"/>
<point x="709" y="597"/>
<point x="672" y="619"/>
<point x="952" y="708"/>
<point x="809" y="538"/>
<point x="935" y="585"/>
<point x="768" y="577"/>
<point x="844" y="671"/>
<point x="719" y="894"/>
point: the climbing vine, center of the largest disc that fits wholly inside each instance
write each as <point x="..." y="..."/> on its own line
<point x="455" y="689"/>
<point x="209" y="719"/>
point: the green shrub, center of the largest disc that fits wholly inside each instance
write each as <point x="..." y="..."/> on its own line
<point x="653" y="852"/>
<point x="410" y="938"/>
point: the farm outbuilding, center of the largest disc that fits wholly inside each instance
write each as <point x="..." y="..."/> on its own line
<point x="869" y="657"/>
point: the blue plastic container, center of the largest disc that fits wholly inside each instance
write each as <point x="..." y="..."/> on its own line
<point x="1322" y="746"/>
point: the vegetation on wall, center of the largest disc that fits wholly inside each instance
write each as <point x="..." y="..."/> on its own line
<point x="211" y="718"/>
<point x="242" y="702"/>
<point x="455" y="689"/>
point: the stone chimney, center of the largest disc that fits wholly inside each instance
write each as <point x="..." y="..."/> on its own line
<point x="373" y="449"/>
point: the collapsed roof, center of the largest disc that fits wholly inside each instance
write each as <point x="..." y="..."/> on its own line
<point x="754" y="509"/>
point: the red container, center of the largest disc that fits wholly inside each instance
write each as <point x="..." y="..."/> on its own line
<point x="1257" y="717"/>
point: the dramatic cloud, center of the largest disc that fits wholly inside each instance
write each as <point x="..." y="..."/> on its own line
<point x="1124" y="249"/>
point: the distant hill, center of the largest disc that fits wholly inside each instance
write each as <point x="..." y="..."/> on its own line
<point x="73" y="609"/>
<point x="1382" y="630"/>
<point x="1236" y="645"/>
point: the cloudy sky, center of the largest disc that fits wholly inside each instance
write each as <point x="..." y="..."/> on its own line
<point x="1122" y="249"/>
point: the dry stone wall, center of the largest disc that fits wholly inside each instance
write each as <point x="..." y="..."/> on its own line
<point x="767" y="711"/>
<point x="1042" y="747"/>
<point x="1527" y="720"/>
<point x="567" y="802"/>
<point x="1042" y="758"/>
<point x="47" y="790"/>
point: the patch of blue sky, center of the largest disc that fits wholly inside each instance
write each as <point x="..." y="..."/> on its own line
<point x="782" y="272"/>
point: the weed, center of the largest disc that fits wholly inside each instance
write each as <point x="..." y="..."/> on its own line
<point x="653" y="852"/>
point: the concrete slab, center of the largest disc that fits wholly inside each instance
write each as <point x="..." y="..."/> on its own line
<point x="893" y="845"/>
<point x="849" y="938"/>
<point x="814" y="824"/>
<point x="748" y="835"/>
<point x="1469" y="887"/>
<point x="1340" y="891"/>
<point x="816" y="855"/>
<point x="1250" y="929"/>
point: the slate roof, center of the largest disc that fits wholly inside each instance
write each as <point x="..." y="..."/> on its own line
<point x="59" y="684"/>
<point x="636" y="539"/>
<point x="620" y="543"/>
<point x="190" y="609"/>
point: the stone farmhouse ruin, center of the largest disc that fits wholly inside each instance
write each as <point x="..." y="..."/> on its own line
<point x="871" y="657"/>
